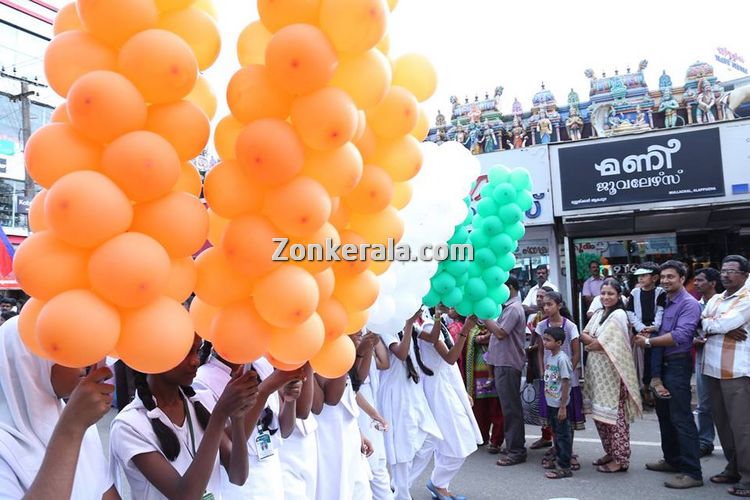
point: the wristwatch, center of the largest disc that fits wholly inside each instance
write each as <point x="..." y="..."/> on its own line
<point x="648" y="342"/>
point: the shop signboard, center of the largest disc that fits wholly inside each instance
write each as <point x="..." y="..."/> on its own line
<point x="658" y="168"/>
<point x="534" y="159"/>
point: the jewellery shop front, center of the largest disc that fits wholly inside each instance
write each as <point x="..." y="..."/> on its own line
<point x="676" y="194"/>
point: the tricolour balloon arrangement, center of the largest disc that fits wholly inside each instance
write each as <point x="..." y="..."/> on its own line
<point x="321" y="142"/>
<point x="110" y="259"/>
<point x="478" y="287"/>
<point x="436" y="207"/>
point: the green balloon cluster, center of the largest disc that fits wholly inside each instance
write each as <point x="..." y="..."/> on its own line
<point x="478" y="286"/>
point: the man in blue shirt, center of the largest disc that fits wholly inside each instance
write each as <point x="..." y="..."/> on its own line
<point x="679" y="435"/>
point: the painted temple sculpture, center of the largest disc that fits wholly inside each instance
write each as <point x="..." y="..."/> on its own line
<point x="618" y="104"/>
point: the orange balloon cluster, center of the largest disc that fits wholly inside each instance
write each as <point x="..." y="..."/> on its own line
<point x="320" y="144"/>
<point x="118" y="220"/>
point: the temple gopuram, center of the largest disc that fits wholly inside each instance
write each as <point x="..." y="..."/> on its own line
<point x="617" y="104"/>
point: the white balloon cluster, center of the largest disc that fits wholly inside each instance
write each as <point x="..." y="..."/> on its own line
<point x="436" y="207"/>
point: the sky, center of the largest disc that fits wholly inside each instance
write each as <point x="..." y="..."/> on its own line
<point x="476" y="45"/>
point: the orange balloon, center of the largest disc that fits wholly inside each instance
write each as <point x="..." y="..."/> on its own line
<point x="357" y="292"/>
<point x="325" y="119"/>
<point x="160" y="64"/>
<point x="361" y="125"/>
<point x="314" y="256"/>
<point x="230" y="193"/>
<point x="366" y="77"/>
<point x="298" y="343"/>
<point x="379" y="266"/>
<point x="269" y="151"/>
<point x="189" y="180"/>
<point x="384" y="45"/>
<point x="252" y="43"/>
<point x="66" y="19"/>
<point x="340" y="213"/>
<point x="182" y="277"/>
<point x="203" y="96"/>
<point x="286" y="296"/>
<point x="216" y="227"/>
<point x="357" y="321"/>
<point x="402" y="192"/>
<point x="202" y="314"/>
<point x="373" y="193"/>
<point x="206" y="6"/>
<point x="73" y="54"/>
<point x="239" y="333"/>
<point x="178" y="221"/>
<point x="198" y="30"/>
<point x="157" y="337"/>
<point x="60" y="114"/>
<point x="335" y="358"/>
<point x="415" y="73"/>
<point x="396" y="115"/>
<point x="225" y="137"/>
<point x="115" y="22"/>
<point x="354" y="26"/>
<point x="248" y="245"/>
<point x="219" y="283"/>
<point x="85" y="209"/>
<point x="57" y="149"/>
<point x="46" y="266"/>
<point x="300" y="59"/>
<point x="27" y="326"/>
<point x="130" y="270"/>
<point x="279" y="13"/>
<point x="326" y="280"/>
<point x="37" y="222"/>
<point x="103" y="105"/>
<point x="356" y="264"/>
<point x="183" y="124"/>
<point x="143" y="164"/>
<point x="338" y="170"/>
<point x="402" y="157"/>
<point x="379" y="227"/>
<point x="367" y="144"/>
<point x="170" y="5"/>
<point x="422" y="129"/>
<point x="285" y="367"/>
<point x="298" y="208"/>
<point x="252" y="95"/>
<point x="334" y="317"/>
<point x="76" y="328"/>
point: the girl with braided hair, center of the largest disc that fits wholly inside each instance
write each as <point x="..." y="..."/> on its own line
<point x="170" y="446"/>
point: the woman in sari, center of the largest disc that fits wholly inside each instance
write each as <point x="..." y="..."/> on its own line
<point x="611" y="390"/>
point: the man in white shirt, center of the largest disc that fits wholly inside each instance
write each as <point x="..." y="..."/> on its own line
<point x="529" y="303"/>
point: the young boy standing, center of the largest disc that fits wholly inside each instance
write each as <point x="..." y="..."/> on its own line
<point x="557" y="373"/>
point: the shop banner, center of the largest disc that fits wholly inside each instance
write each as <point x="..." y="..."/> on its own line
<point x="634" y="171"/>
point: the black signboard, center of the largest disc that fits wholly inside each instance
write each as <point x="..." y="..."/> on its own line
<point x="678" y="166"/>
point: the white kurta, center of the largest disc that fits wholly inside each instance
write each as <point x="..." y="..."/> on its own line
<point x="264" y="481"/>
<point x="343" y="471"/>
<point x="299" y="460"/>
<point x="449" y="403"/>
<point x="403" y="404"/>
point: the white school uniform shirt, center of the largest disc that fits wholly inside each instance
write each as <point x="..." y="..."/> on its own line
<point x="264" y="480"/>
<point x="343" y="471"/>
<point x="29" y="411"/>
<point x="299" y="460"/>
<point x="404" y="406"/>
<point x="131" y="434"/>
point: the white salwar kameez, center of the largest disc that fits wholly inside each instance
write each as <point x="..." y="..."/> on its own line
<point x="264" y="481"/>
<point x="343" y="472"/>
<point x="299" y="460"/>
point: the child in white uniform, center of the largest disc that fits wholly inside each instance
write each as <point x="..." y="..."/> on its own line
<point x="402" y="402"/>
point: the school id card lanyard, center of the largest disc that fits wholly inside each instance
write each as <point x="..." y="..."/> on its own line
<point x="206" y="494"/>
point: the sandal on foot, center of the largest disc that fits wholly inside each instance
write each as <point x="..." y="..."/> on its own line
<point x="607" y="470"/>
<point x="558" y="474"/>
<point x="507" y="461"/>
<point x="739" y="491"/>
<point x="574" y="464"/>
<point x="658" y="390"/>
<point x="724" y="478"/>
<point x="602" y="461"/>
<point x="549" y="464"/>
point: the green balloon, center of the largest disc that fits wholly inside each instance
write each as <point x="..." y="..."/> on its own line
<point x="487" y="207"/>
<point x="443" y="283"/>
<point x="504" y="193"/>
<point x="475" y="270"/>
<point x="494" y="276"/>
<point x="468" y="218"/>
<point x="498" y="174"/>
<point x="475" y="289"/>
<point x="520" y="179"/>
<point x="465" y="307"/>
<point x="486" y="191"/>
<point x="500" y="294"/>
<point x="515" y="231"/>
<point x="515" y="245"/>
<point x="486" y="309"/>
<point x="506" y="261"/>
<point x="484" y="257"/>
<point x="479" y="239"/>
<point x="501" y="243"/>
<point x="431" y="299"/>
<point x="524" y="200"/>
<point x="453" y="298"/>
<point x="476" y="222"/>
<point x="462" y="279"/>
<point x="492" y="226"/>
<point x="456" y="267"/>
<point x="460" y="235"/>
<point x="510" y="214"/>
